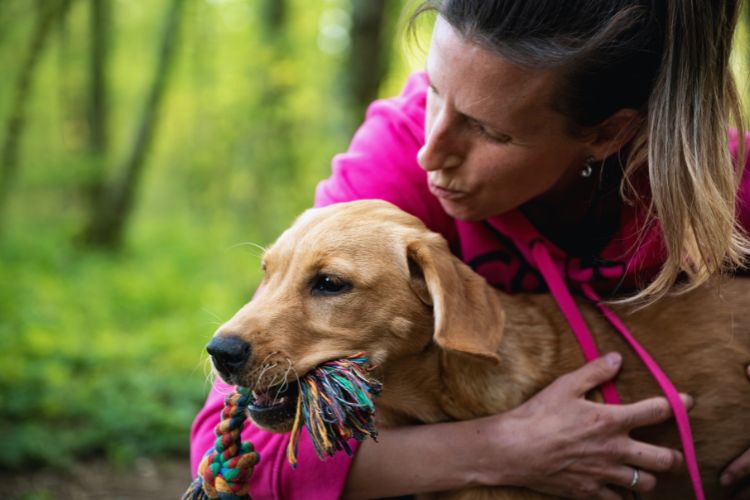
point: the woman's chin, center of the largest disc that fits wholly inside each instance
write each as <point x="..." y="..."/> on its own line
<point x="464" y="211"/>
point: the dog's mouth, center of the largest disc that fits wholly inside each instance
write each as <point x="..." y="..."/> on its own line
<point x="274" y="408"/>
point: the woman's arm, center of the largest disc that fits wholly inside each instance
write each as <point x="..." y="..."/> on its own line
<point x="557" y="443"/>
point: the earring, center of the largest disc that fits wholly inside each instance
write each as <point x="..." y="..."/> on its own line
<point x="588" y="167"/>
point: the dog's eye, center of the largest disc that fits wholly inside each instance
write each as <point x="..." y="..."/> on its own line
<point x="324" y="284"/>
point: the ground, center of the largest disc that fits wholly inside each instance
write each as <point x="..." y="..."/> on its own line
<point x="145" y="480"/>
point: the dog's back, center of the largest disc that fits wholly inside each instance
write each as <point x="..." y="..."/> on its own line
<point x="702" y="341"/>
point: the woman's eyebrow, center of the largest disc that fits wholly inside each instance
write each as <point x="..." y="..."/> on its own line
<point x="480" y="121"/>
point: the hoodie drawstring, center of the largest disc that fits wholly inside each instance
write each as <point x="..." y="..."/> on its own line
<point x="565" y="302"/>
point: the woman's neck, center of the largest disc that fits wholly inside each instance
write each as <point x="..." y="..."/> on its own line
<point x="582" y="218"/>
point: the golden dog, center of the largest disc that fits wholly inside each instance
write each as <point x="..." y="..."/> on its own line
<point x="365" y="276"/>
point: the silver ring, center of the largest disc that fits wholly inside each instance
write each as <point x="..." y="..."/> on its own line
<point x="636" y="477"/>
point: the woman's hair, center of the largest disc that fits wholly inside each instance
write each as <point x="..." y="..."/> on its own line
<point x="668" y="59"/>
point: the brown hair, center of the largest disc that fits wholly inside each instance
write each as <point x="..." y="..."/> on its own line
<point x="669" y="60"/>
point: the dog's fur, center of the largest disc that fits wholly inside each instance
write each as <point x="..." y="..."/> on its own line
<point x="450" y="347"/>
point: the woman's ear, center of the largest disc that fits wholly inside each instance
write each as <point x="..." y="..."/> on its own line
<point x="467" y="314"/>
<point x="612" y="134"/>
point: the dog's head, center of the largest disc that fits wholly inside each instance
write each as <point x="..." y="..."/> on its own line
<point x="355" y="277"/>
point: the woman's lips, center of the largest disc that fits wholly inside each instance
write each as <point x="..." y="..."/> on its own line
<point x="444" y="193"/>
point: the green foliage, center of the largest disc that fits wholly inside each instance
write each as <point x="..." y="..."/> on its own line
<point x="102" y="354"/>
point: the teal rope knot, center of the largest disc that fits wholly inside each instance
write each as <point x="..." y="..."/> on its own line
<point x="224" y="471"/>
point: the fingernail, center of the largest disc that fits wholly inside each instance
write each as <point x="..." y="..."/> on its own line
<point x="613" y="359"/>
<point x="725" y="479"/>
<point x="688" y="399"/>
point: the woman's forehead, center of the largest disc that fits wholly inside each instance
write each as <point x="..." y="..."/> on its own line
<point x="485" y="86"/>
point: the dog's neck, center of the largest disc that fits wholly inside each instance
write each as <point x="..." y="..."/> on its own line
<point x="439" y="384"/>
<point x="529" y="355"/>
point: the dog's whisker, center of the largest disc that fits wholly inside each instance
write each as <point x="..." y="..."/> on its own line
<point x="249" y="244"/>
<point x="283" y="386"/>
<point x="285" y="382"/>
<point x="208" y="371"/>
<point x="264" y="369"/>
<point x="280" y="377"/>
<point x="217" y="320"/>
<point x="293" y="370"/>
<point x="266" y="358"/>
<point x="286" y="373"/>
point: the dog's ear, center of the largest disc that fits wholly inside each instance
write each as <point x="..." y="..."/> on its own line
<point x="468" y="317"/>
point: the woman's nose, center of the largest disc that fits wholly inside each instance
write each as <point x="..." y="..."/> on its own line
<point x="432" y="159"/>
<point x="441" y="147"/>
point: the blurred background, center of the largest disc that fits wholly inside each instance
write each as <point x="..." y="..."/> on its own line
<point x="148" y="149"/>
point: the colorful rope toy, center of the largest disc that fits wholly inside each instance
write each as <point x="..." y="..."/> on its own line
<point x="225" y="469"/>
<point x="335" y="404"/>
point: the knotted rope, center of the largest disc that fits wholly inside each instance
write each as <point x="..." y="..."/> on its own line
<point x="335" y="404"/>
<point x="224" y="471"/>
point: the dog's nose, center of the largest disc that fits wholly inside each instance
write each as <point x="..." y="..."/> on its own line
<point x="229" y="353"/>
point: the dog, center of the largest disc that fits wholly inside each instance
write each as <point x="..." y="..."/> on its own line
<point x="365" y="276"/>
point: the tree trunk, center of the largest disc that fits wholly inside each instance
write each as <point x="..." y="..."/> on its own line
<point x="368" y="56"/>
<point x="274" y="117"/>
<point x="107" y="225"/>
<point x="96" y="112"/>
<point x="47" y="12"/>
<point x="99" y="27"/>
<point x="274" y="16"/>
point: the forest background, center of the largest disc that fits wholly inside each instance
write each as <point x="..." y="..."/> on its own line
<point x="148" y="149"/>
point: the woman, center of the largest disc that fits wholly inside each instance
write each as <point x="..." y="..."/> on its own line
<point x="579" y="120"/>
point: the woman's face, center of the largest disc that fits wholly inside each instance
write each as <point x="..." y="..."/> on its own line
<point x="492" y="140"/>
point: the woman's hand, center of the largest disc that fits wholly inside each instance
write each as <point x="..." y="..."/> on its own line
<point x="737" y="474"/>
<point x="566" y="445"/>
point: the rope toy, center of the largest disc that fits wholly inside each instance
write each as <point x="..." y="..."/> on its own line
<point x="335" y="404"/>
<point x="224" y="471"/>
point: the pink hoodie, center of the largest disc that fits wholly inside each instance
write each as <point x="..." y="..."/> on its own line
<point x="381" y="164"/>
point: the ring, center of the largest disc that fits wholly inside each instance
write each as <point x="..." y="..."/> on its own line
<point x="636" y="477"/>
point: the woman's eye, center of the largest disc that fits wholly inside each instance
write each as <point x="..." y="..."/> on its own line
<point x="482" y="130"/>
<point x="329" y="285"/>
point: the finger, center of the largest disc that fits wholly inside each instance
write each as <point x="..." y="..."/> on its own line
<point x="737" y="470"/>
<point x="623" y="476"/>
<point x="649" y="457"/>
<point x="747" y="371"/>
<point x="647" y="412"/>
<point x="592" y="374"/>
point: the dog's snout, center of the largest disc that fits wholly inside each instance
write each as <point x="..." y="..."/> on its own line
<point x="229" y="353"/>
